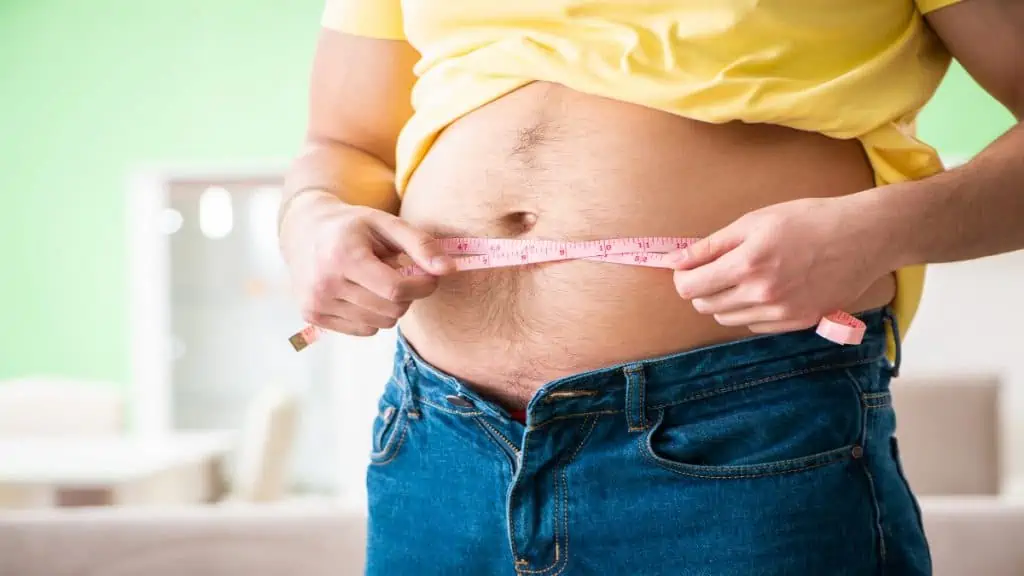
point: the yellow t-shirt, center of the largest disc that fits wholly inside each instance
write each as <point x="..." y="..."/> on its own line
<point x="845" y="68"/>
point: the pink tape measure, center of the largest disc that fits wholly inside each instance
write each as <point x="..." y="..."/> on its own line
<point x="484" y="253"/>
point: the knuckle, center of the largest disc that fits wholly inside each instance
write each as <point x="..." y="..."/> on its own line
<point x="682" y="288"/>
<point x="746" y="267"/>
<point x="771" y="221"/>
<point x="782" y="312"/>
<point x="341" y="289"/>
<point x="313" y="317"/>
<point x="331" y="251"/>
<point x="701" y="250"/>
<point x="351" y="255"/>
<point x="765" y="292"/>
<point x="426" y="287"/>
<point x="400" y="293"/>
<point x="322" y="292"/>
<point x="766" y="262"/>
<point x="395" y="292"/>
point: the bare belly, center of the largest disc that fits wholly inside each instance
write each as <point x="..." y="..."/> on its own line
<point x="548" y="163"/>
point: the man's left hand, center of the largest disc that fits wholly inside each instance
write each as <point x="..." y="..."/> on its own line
<point x="783" y="267"/>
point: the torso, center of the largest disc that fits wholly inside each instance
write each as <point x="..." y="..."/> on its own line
<point x="549" y="163"/>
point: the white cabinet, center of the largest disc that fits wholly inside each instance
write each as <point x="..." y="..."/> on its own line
<point x="211" y="311"/>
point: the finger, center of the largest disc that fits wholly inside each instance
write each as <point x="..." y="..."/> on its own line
<point x="339" y="324"/>
<point x="387" y="282"/>
<point x="363" y="298"/>
<point x="722" y="274"/>
<point x="354" y="313"/>
<point x="358" y="315"/>
<point x="728" y="300"/>
<point x="421" y="247"/>
<point x="416" y="287"/>
<point x="766" y="314"/>
<point x="708" y="249"/>
<point x="786" y="326"/>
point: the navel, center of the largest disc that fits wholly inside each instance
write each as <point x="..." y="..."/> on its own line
<point x="519" y="223"/>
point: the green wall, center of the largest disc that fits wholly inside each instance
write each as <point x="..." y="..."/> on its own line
<point x="962" y="118"/>
<point x="88" y="89"/>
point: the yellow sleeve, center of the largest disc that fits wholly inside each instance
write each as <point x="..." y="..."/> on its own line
<point x="370" y="18"/>
<point x="926" y="6"/>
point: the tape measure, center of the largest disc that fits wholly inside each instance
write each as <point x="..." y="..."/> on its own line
<point x="486" y="253"/>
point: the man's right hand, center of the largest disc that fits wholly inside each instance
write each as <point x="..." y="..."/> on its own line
<point x="341" y="259"/>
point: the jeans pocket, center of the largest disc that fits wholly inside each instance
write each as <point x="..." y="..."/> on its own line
<point x="389" y="426"/>
<point x="780" y="425"/>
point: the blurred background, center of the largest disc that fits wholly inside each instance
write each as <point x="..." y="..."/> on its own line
<point x="143" y="353"/>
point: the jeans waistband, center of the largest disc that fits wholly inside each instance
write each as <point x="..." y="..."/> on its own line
<point x="659" y="381"/>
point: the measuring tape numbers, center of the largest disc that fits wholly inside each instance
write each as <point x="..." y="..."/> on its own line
<point x="485" y="253"/>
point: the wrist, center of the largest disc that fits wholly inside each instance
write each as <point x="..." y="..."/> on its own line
<point x="881" y="232"/>
<point x="302" y="208"/>
<point x="298" y="204"/>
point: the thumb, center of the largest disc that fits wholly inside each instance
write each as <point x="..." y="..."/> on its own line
<point x="708" y="249"/>
<point x="422" y="248"/>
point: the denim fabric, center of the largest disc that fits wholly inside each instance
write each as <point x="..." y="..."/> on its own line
<point x="772" y="456"/>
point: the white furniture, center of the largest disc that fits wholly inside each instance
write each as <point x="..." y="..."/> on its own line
<point x="174" y="469"/>
<point x="261" y="472"/>
<point x="239" y="540"/>
<point x="56" y="406"/>
<point x="944" y="419"/>
<point x="975" y="535"/>
<point x="210" y="311"/>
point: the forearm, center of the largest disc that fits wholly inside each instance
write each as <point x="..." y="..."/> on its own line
<point x="968" y="212"/>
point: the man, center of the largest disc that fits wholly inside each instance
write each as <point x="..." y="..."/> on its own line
<point x="581" y="417"/>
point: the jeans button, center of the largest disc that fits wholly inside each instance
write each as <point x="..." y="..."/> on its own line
<point x="459" y="401"/>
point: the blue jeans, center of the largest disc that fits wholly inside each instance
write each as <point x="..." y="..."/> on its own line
<point x="773" y="456"/>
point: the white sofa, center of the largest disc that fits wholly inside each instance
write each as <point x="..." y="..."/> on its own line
<point x="975" y="535"/>
<point x="944" y="428"/>
<point x="242" y="540"/>
<point x="969" y="537"/>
